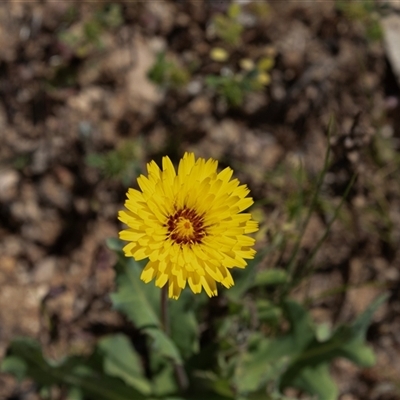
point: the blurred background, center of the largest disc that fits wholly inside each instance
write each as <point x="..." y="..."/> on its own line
<point x="90" y="92"/>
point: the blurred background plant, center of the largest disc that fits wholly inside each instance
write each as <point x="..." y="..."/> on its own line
<point x="120" y="164"/>
<point x="231" y="86"/>
<point x="167" y="73"/>
<point x="364" y="12"/>
<point x="83" y="38"/>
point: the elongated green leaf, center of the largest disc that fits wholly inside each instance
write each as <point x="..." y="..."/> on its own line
<point x="140" y="303"/>
<point x="302" y="327"/>
<point x="298" y="358"/>
<point x="71" y="372"/>
<point x="317" y="381"/>
<point x="208" y="385"/>
<point x="134" y="298"/>
<point x="268" y="312"/>
<point x="164" y="376"/>
<point x="264" y="361"/>
<point x="362" y="323"/>
<point x="347" y="341"/>
<point x="162" y="344"/>
<point x="267" y="359"/>
<point x="271" y="277"/>
<point x="122" y="361"/>
<point x="15" y="366"/>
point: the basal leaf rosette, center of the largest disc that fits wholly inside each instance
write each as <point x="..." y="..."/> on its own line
<point x="188" y="224"/>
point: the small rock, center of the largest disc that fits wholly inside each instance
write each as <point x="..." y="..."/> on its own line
<point x="63" y="305"/>
<point x="40" y="159"/>
<point x="53" y="193"/>
<point x="7" y="268"/>
<point x="227" y="132"/>
<point x="44" y="270"/>
<point x="361" y="297"/>
<point x="144" y="95"/>
<point x="164" y="13"/>
<point x="65" y="177"/>
<point x="158" y="138"/>
<point x="28" y="207"/>
<point x="200" y="105"/>
<point x="194" y="87"/>
<point x="8" y="184"/>
<point x="47" y="231"/>
<point x="87" y="99"/>
<point x="11" y="245"/>
<point x="33" y="252"/>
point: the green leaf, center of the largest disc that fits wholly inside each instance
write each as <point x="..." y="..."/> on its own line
<point x="140" y="303"/>
<point x="268" y="312"/>
<point x="164" y="378"/>
<point x="213" y="81"/>
<point x="135" y="298"/>
<point x="122" y="361"/>
<point x="234" y="10"/>
<point x="72" y="372"/>
<point x="15" y="366"/>
<point x="253" y="365"/>
<point x="265" y="64"/>
<point x="361" y="324"/>
<point x="323" y="332"/>
<point x="115" y="244"/>
<point x="75" y="394"/>
<point x="317" y="380"/>
<point x="260" y="364"/>
<point x="162" y="344"/>
<point x="347" y="341"/>
<point x="302" y="327"/>
<point x="271" y="277"/>
<point x="208" y="385"/>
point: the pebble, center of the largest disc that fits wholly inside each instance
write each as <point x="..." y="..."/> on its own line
<point x="44" y="270"/>
<point x="9" y="179"/>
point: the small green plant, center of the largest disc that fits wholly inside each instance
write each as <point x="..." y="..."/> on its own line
<point x="364" y="11"/>
<point x="233" y="87"/>
<point x="120" y="164"/>
<point x="227" y="27"/>
<point x="167" y="73"/>
<point x="86" y="37"/>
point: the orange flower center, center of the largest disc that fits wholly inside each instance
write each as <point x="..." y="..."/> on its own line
<point x="186" y="227"/>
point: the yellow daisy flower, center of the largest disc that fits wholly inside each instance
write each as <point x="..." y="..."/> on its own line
<point x="187" y="223"/>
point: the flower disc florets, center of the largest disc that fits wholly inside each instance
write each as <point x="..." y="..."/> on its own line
<point x="189" y="225"/>
<point x="186" y="227"/>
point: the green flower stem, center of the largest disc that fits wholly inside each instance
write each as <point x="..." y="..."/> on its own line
<point x="164" y="309"/>
<point x="180" y="372"/>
